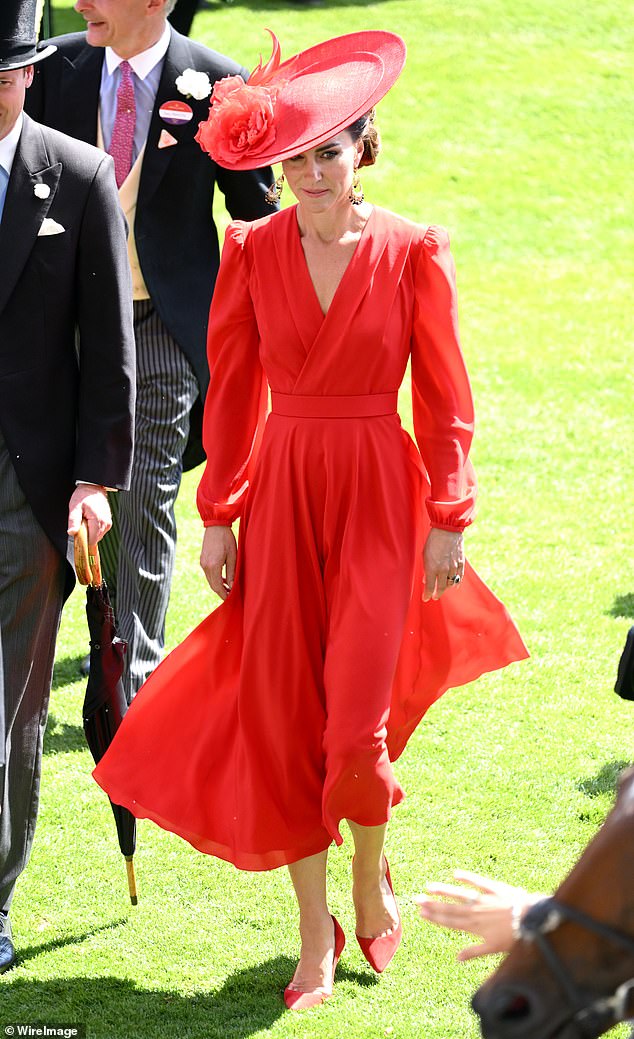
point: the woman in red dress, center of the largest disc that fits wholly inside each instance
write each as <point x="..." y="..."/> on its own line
<point x="349" y="607"/>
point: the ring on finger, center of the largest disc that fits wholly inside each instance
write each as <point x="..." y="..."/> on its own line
<point x="454" y="579"/>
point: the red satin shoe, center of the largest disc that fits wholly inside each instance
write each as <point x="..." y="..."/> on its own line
<point x="379" y="951"/>
<point x="299" y="999"/>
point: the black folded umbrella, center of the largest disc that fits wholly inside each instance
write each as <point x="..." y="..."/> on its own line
<point x="105" y="703"/>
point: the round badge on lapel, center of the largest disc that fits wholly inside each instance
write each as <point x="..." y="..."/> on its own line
<point x="175" y="112"/>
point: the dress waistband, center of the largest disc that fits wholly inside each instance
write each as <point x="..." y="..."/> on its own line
<point x="363" y="405"/>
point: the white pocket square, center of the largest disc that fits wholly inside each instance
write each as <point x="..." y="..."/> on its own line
<point x="49" y="226"/>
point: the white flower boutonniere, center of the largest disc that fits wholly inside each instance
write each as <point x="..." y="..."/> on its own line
<point x="41" y="191"/>
<point x="194" y="84"/>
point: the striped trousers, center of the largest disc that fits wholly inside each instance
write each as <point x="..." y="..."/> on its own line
<point x="138" y="552"/>
<point x="31" y="594"/>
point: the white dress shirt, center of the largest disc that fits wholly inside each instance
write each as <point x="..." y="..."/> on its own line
<point x="9" y="145"/>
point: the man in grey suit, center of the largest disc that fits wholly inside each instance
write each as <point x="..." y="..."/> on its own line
<point x="129" y="63"/>
<point x="67" y="373"/>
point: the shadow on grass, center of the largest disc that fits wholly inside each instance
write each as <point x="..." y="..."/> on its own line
<point x="623" y="606"/>
<point x="67" y="669"/>
<point x="605" y="780"/>
<point x="249" y="1001"/>
<point x="60" y="737"/>
<point x="31" y="951"/>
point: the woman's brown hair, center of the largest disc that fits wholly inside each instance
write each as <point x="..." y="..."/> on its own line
<point x="365" y="130"/>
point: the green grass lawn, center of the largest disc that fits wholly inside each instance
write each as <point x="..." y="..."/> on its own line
<point x="511" y="125"/>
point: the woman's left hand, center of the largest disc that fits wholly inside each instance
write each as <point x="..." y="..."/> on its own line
<point x="443" y="559"/>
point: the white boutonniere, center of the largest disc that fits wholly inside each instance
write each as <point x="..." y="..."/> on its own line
<point x="41" y="191"/>
<point x="194" y="84"/>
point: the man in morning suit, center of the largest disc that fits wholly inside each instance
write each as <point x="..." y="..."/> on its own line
<point x="128" y="65"/>
<point x="67" y="374"/>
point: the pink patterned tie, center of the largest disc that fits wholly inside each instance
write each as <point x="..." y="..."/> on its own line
<point x="123" y="129"/>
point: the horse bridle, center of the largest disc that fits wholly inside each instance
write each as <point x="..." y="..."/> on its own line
<point x="543" y="918"/>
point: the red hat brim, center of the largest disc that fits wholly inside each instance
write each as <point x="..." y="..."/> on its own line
<point x="320" y="92"/>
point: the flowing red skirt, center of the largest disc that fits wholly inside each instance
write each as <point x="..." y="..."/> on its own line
<point x="281" y="714"/>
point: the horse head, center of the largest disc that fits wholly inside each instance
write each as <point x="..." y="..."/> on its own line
<point x="571" y="974"/>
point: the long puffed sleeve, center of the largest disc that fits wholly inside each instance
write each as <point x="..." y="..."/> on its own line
<point x="442" y="401"/>
<point x="235" y="407"/>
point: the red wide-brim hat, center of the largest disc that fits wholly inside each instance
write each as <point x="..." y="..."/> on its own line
<point x="287" y="107"/>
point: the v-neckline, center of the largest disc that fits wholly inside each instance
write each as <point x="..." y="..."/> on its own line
<point x="324" y="313"/>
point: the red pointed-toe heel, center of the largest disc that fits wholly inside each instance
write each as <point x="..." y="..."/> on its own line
<point x="379" y="951"/>
<point x="298" y="999"/>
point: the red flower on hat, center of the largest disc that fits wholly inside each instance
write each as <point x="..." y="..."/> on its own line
<point x="240" y="119"/>
<point x="241" y="115"/>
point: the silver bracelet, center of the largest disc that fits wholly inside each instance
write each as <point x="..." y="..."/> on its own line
<point x="517" y="912"/>
<point x="520" y="906"/>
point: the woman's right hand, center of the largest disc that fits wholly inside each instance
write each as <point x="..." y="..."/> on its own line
<point x="218" y="554"/>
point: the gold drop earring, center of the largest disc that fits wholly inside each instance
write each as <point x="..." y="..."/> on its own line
<point x="274" y="193"/>
<point x="356" y="191"/>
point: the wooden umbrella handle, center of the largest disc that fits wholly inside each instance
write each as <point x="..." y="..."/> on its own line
<point x="87" y="562"/>
<point x="129" y="865"/>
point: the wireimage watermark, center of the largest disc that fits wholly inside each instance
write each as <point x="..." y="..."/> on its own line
<point x="65" y="1031"/>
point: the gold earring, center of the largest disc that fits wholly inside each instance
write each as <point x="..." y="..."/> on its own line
<point x="356" y="191"/>
<point x="274" y="193"/>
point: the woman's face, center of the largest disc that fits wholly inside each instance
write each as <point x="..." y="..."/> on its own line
<point x="322" y="177"/>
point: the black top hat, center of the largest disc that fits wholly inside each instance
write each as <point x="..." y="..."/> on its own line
<point x="18" y="35"/>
